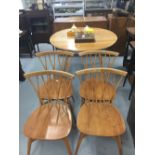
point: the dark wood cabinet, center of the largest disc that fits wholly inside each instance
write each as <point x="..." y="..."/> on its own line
<point x="25" y="41"/>
<point x="67" y="22"/>
<point x="40" y="23"/>
<point x="118" y="25"/>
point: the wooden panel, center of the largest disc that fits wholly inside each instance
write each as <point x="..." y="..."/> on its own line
<point x="64" y="23"/>
<point x="118" y="25"/>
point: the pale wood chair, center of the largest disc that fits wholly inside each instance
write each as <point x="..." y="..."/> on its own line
<point x="98" y="58"/>
<point x="55" y="60"/>
<point x="52" y="120"/>
<point x="99" y="83"/>
<point x="100" y="117"/>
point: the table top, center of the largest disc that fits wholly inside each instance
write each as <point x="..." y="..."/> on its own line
<point x="104" y="39"/>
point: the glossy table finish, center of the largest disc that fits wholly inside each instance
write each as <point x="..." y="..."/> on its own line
<point x="104" y="39"/>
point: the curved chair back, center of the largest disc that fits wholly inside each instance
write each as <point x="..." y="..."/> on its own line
<point x="98" y="58"/>
<point x="100" y="83"/>
<point x="50" y="84"/>
<point x="55" y="60"/>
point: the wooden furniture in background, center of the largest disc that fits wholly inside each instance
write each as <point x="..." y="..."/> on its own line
<point x="40" y="24"/>
<point x="131" y="117"/>
<point x="118" y="25"/>
<point x="130" y="67"/>
<point x="65" y="23"/>
<point x="52" y="120"/>
<point x="65" y="8"/>
<point x="130" y="37"/>
<point x="100" y="118"/>
<point x="49" y="59"/>
<point x="104" y="39"/>
<point x="21" y="72"/>
<point x="25" y="44"/>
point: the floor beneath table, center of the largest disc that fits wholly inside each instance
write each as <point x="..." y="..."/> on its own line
<point x="90" y="145"/>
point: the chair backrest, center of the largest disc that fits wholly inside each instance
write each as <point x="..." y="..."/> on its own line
<point x="98" y="58"/>
<point x="50" y="82"/>
<point x="101" y="76"/>
<point x="55" y="60"/>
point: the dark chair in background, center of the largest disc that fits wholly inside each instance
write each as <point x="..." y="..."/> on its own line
<point x="25" y="40"/>
<point x="131" y="68"/>
<point x="131" y="118"/>
<point x="40" y="24"/>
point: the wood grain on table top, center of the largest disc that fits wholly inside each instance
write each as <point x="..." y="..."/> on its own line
<point x="103" y="39"/>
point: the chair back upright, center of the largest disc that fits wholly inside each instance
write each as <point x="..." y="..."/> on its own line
<point x="55" y="60"/>
<point x="109" y="78"/>
<point x="50" y="85"/>
<point x="98" y="58"/>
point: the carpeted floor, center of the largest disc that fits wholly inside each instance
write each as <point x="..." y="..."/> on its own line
<point x="90" y="145"/>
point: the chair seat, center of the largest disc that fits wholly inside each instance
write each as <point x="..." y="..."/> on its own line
<point x="98" y="119"/>
<point x="97" y="90"/>
<point x="42" y="123"/>
<point x="56" y="89"/>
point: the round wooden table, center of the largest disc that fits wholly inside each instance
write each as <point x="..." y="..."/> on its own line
<point x="103" y="39"/>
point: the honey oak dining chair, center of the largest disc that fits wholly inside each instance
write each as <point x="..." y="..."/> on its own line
<point x="103" y="81"/>
<point x="98" y="116"/>
<point x="98" y="58"/>
<point x="52" y="120"/>
<point x="55" y="60"/>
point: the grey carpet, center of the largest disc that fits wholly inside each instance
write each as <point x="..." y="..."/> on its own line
<point x="90" y="145"/>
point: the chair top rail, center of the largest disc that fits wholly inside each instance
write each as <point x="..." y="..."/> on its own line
<point x="48" y="72"/>
<point x="59" y="52"/>
<point x="111" y="53"/>
<point x="101" y="69"/>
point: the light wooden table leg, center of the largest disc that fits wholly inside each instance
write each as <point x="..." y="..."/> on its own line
<point x="29" y="146"/>
<point x="66" y="141"/>
<point x="119" y="144"/>
<point x="79" y="142"/>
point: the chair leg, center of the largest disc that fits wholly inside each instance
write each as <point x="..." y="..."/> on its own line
<point x="79" y="142"/>
<point x="66" y="141"/>
<point x="38" y="47"/>
<point x="119" y="144"/>
<point x="72" y="112"/>
<point x="125" y="80"/>
<point x="73" y="98"/>
<point x="29" y="146"/>
<point x="132" y="88"/>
